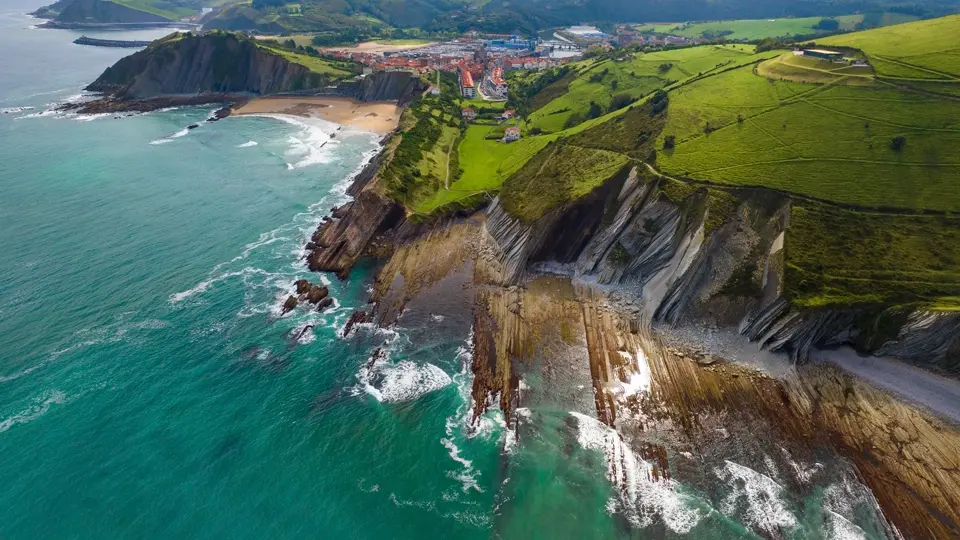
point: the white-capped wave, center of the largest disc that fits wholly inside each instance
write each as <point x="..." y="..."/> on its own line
<point x="406" y="381"/>
<point x="310" y="145"/>
<point x="176" y="298"/>
<point x="161" y="141"/>
<point x="755" y="499"/>
<point x="641" y="497"/>
<point x="183" y="132"/>
<point x="15" y="110"/>
<point x="39" y="408"/>
<point x="247" y="144"/>
<point x="91" y="117"/>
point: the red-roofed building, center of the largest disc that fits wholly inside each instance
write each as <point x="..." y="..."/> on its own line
<point x="469" y="115"/>
<point x="467" y="89"/>
<point x="511" y="134"/>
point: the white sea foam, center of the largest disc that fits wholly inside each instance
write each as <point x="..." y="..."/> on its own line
<point x="15" y="110"/>
<point x="247" y="144"/>
<point x="642" y="498"/>
<point x="311" y="145"/>
<point x="840" y="528"/>
<point x="91" y="117"/>
<point x="755" y="499"/>
<point x="182" y="133"/>
<point x="41" y="405"/>
<point x="407" y="381"/>
<point x="176" y="298"/>
<point x="161" y="141"/>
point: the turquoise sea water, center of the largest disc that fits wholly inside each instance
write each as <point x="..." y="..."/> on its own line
<point x="150" y="389"/>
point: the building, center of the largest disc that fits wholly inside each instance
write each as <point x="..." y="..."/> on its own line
<point x="467" y="89"/>
<point x="507" y="114"/>
<point x="511" y="134"/>
<point x="823" y="54"/>
<point x="469" y="115"/>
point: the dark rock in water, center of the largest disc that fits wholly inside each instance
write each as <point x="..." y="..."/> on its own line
<point x="289" y="304"/>
<point x="311" y="246"/>
<point x="303" y="286"/>
<point x="193" y="126"/>
<point x="317" y="294"/>
<point x="302" y="332"/>
<point x="324" y="304"/>
<point x="358" y="317"/>
<point x="221" y="113"/>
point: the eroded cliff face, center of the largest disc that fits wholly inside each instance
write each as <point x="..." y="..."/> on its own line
<point x="665" y="415"/>
<point x="688" y="263"/>
<point x="211" y="63"/>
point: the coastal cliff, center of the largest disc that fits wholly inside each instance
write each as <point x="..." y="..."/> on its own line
<point x="210" y="63"/>
<point x="66" y="12"/>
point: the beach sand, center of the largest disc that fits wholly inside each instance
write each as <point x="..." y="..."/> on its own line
<point x="374" y="47"/>
<point x="377" y="117"/>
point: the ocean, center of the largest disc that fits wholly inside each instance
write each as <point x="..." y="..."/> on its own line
<point x="150" y="388"/>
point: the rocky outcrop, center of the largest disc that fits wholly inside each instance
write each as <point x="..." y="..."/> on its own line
<point x="97" y="11"/>
<point x="214" y="63"/>
<point x="399" y="86"/>
<point x="342" y="239"/>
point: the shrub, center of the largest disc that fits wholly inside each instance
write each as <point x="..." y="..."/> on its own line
<point x="595" y="110"/>
<point x="829" y="25"/>
<point x="669" y="142"/>
<point x="665" y="67"/>
<point x="620" y="101"/>
<point x="614" y="83"/>
<point x="619" y="256"/>
<point x="573" y="120"/>
<point x="897" y="143"/>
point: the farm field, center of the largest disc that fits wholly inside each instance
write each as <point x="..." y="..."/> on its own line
<point x="921" y="49"/>
<point x="762" y="135"/>
<point x="485" y="164"/>
<point x="598" y="82"/>
<point x="313" y="63"/>
<point x="750" y="28"/>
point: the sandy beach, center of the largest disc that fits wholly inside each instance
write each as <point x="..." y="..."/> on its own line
<point x="374" y="47"/>
<point x="378" y="117"/>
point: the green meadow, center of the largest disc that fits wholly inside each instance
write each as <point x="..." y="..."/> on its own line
<point x="750" y="29"/>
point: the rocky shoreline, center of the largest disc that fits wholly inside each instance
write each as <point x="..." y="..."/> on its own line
<point x="660" y="393"/>
<point x="108" y="105"/>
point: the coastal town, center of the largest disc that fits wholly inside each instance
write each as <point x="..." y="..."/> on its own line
<point x="482" y="61"/>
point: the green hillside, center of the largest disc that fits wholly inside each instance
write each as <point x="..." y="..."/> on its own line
<point x="921" y="49"/>
<point x="751" y="29"/>
<point x="868" y="158"/>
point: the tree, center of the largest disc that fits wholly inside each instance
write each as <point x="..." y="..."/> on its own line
<point x="595" y="110"/>
<point x="830" y="25"/>
<point x="573" y="120"/>
<point x="897" y="143"/>
<point x="669" y="141"/>
<point x="620" y="101"/>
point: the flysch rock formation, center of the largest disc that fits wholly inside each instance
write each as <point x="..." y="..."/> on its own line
<point x="564" y="315"/>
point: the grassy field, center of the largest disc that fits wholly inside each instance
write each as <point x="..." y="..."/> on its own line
<point x="921" y="49"/>
<point x="558" y="175"/>
<point x="164" y="9"/>
<point x="485" y="163"/>
<point x="598" y="82"/>
<point x="826" y="141"/>
<point x="313" y="63"/>
<point x="839" y="256"/>
<point x="750" y="28"/>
